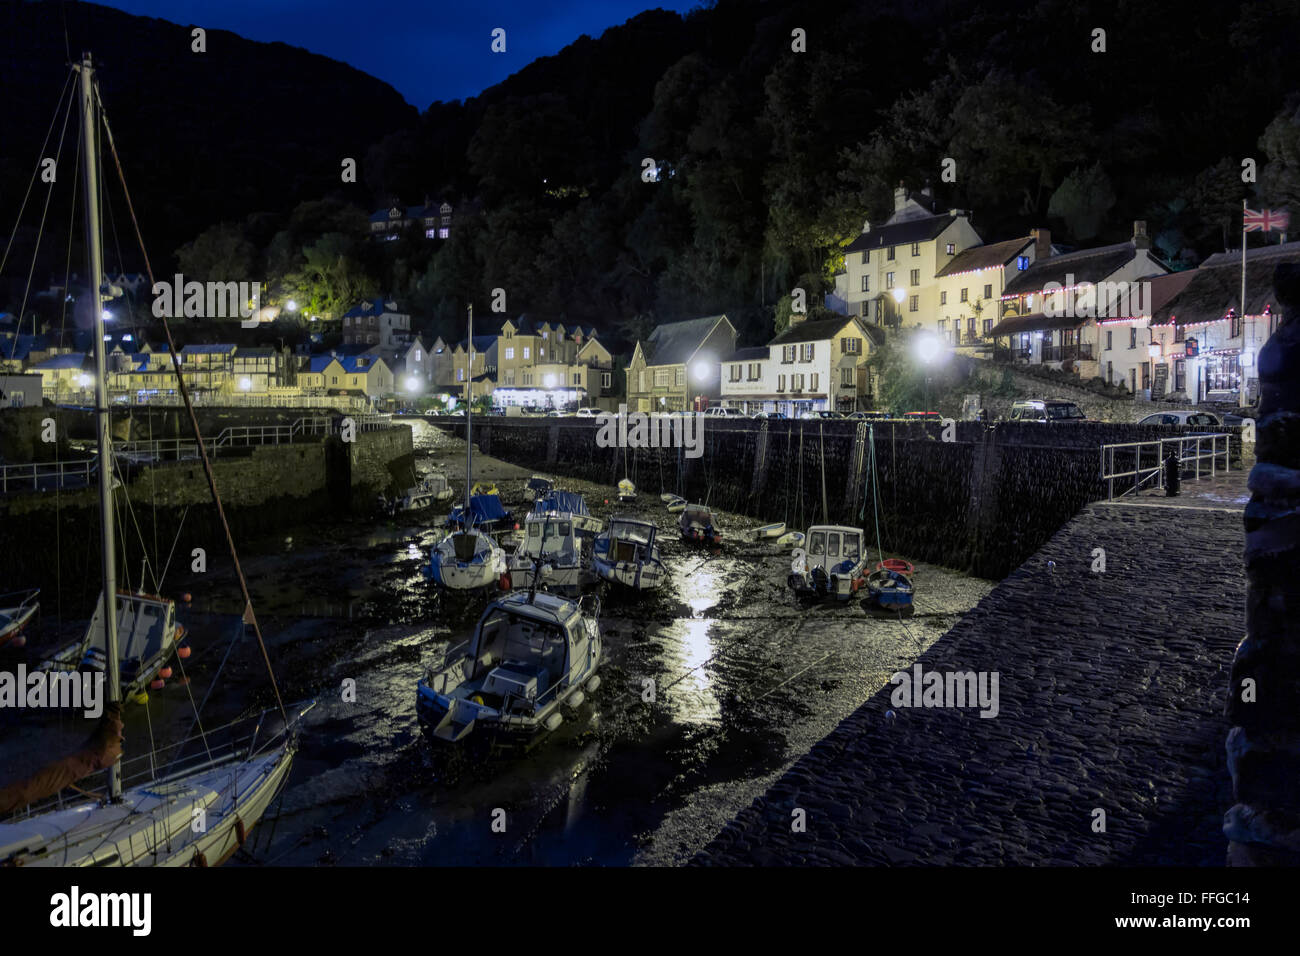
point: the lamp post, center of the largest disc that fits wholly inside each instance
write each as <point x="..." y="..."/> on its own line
<point x="926" y="348"/>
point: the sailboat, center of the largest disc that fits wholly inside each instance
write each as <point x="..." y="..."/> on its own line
<point x="468" y="558"/>
<point x="16" y="612"/>
<point x="196" y="806"/>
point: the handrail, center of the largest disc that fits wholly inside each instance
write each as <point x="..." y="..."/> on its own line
<point x="1142" y="473"/>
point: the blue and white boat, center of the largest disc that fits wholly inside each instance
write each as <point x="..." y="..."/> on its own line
<point x="466" y="561"/>
<point x="834" y="564"/>
<point x="626" y="554"/>
<point x="531" y="652"/>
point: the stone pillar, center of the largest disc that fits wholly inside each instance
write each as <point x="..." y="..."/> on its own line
<point x="1263" y="827"/>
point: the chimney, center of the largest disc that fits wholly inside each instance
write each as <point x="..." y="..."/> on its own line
<point x="1042" y="243"/>
<point x="1140" y="239"/>
<point x="900" y="197"/>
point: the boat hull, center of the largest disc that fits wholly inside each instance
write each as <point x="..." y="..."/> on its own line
<point x="640" y="576"/>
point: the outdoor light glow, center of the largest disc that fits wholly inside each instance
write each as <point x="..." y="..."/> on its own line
<point x="549" y="381"/>
<point x="898" y="294"/>
<point x="1153" y="350"/>
<point x="291" y="305"/>
<point x="107" y="315"/>
<point x="927" y="348"/>
<point x="412" y="384"/>
<point x="701" y="371"/>
<point x="83" y="381"/>
<point x="245" y="384"/>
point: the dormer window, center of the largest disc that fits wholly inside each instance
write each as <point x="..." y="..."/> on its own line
<point x="1022" y="263"/>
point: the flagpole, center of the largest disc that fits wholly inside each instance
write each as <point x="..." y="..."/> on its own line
<point x="1241" y="385"/>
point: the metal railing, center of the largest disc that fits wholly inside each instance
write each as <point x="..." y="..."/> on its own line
<point x="1142" y="461"/>
<point x="48" y="475"/>
<point x="1061" y="353"/>
<point x="247" y="436"/>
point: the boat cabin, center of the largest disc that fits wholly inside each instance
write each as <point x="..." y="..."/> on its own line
<point x="522" y="652"/>
<point x="833" y="548"/>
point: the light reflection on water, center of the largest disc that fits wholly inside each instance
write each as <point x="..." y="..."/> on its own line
<point x="693" y="698"/>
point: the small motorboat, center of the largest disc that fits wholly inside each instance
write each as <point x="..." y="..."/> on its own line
<point x="16" y="612"/>
<point x="768" y="531"/>
<point x="698" y="524"/>
<point x="626" y="554"/>
<point x="558" y="548"/>
<point x="538" y="487"/>
<point x="834" y="564"/>
<point x="676" y="505"/>
<point x="466" y="561"/>
<point x="890" y="588"/>
<point x="431" y="489"/>
<point x="626" y="491"/>
<point x="147" y="635"/>
<point x="482" y="488"/>
<point x="530" y="654"/>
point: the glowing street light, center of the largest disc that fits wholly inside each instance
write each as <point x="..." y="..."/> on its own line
<point x="291" y="305"/>
<point x="245" y="384"/>
<point x="927" y="347"/>
<point x="701" y="371"/>
<point x="898" y="294"/>
<point x="549" y="381"/>
<point x="412" y="384"/>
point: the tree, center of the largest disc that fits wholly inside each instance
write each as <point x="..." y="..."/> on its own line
<point x="218" y="254"/>
<point x="332" y="276"/>
<point x="1279" y="180"/>
<point x="1083" y="201"/>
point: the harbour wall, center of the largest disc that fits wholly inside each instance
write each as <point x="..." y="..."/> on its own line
<point x="52" y="538"/>
<point x="982" y="502"/>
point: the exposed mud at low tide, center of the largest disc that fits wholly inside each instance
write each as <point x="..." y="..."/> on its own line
<point x="744" y="682"/>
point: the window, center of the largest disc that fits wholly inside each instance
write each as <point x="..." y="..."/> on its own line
<point x="1133" y="337"/>
<point x="943" y="326"/>
<point x="787" y="354"/>
<point x="988" y="291"/>
<point x="846" y="378"/>
<point x="780" y="383"/>
<point x="1234" y="326"/>
<point x="606" y="379"/>
<point x="988" y="326"/>
<point x="850" y="346"/>
<point x="914" y="304"/>
<point x="1178" y="337"/>
<point x="807" y="352"/>
<point x="1022" y="263"/>
<point x="943" y="297"/>
<point x="866" y="257"/>
<point x="528" y="378"/>
<point x="663" y="377"/>
<point x="949" y="248"/>
<point x="916" y="277"/>
<point x="680" y="377"/>
<point x="964" y="297"/>
<point x="510" y="353"/>
<point x="444" y="232"/>
<point x="890" y="254"/>
<point x="889" y="280"/>
<point x="916" y="248"/>
<point x="577" y="378"/>
<point x="734" y="374"/>
<point x="866" y="283"/>
<point x="460" y="375"/>
<point x="754" y="372"/>
<point x="1146" y="374"/>
<point x="546" y="335"/>
<point x="814" y="381"/>
<point x="526" y="352"/>
<point x="1109" y="343"/>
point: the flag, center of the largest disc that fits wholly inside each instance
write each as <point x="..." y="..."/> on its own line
<point x="1264" y="220"/>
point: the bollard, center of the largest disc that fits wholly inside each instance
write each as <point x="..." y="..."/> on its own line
<point x="1173" y="475"/>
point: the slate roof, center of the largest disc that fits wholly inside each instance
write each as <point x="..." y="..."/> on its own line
<point x="349" y="362"/>
<point x="209" y="348"/>
<point x="748" y="355"/>
<point x="20" y="346"/>
<point x="69" y="360"/>
<point x="992" y="255"/>
<point x="1086" y="265"/>
<point x="675" y="342"/>
<point x="1035" y="322"/>
<point x="822" y="330"/>
<point x="913" y="230"/>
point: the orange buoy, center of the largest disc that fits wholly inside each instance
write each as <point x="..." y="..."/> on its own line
<point x="516" y="525"/>
<point x="156" y="684"/>
<point x="165" y="672"/>
<point x="186" y="597"/>
<point x="183" y="652"/>
<point x="505" y="581"/>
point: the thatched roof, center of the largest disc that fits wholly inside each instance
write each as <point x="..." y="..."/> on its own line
<point x="1214" y="288"/>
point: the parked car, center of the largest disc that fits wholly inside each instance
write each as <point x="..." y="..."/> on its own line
<point x="587" y="412"/>
<point x="772" y="415"/>
<point x="1046" y="410"/>
<point x="1187" y="417"/>
<point x="870" y="416"/>
<point x="723" y="411"/>
<point x="922" y="416"/>
<point x="555" y="413"/>
<point x="824" y="414"/>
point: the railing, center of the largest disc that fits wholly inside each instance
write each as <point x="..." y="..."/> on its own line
<point x="48" y="476"/>
<point x="1143" y="461"/>
<point x="246" y="436"/>
<point x="1011" y="355"/>
<point x="1080" y="351"/>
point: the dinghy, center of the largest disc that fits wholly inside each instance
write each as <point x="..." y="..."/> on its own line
<point x="890" y="590"/>
<point x="530" y="654"/>
<point x="677" y="505"/>
<point x="490" y="488"/>
<point x="834" y="564"/>
<point x="769" y="531"/>
<point x="699" y="525"/>
<point x="626" y="491"/>
<point x="626" y="554"/>
<point x="16" y="612"/>
<point x="668" y="497"/>
<point x="791" y="539"/>
<point x="430" y="490"/>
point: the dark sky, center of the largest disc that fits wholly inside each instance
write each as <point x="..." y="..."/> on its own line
<point x="427" y="49"/>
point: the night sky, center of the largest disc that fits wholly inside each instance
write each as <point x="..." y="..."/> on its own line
<point x="428" y="50"/>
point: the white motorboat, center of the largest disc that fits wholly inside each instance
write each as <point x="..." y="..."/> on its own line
<point x="626" y="554"/>
<point x="699" y="524"/>
<point x="430" y="490"/>
<point x="554" y="544"/>
<point x="466" y="561"/>
<point x="834" y="563"/>
<point x="530" y="654"/>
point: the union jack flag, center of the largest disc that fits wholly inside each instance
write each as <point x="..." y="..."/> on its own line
<point x="1264" y="220"/>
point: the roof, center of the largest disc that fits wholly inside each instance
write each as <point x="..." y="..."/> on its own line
<point x="20" y="346"/>
<point x="355" y="364"/>
<point x="371" y="307"/>
<point x="482" y="343"/>
<point x="675" y="342"/>
<point x="822" y="330"/>
<point x="748" y="355"/>
<point x="68" y="360"/>
<point x="1036" y="322"/>
<point x="914" y="230"/>
<point x="209" y="348"/>
<point x="1086" y="265"/>
<point x="990" y="256"/>
<point x="1214" y="288"/>
<point x="527" y="323"/>
<point x="260" y="352"/>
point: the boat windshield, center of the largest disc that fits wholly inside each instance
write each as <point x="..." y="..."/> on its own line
<point x="519" y="640"/>
<point x="627" y="531"/>
<point x="852" y="546"/>
<point x="556" y="537"/>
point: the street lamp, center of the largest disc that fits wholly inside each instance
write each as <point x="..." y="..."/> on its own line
<point x="701" y="371"/>
<point x="927" y="348"/>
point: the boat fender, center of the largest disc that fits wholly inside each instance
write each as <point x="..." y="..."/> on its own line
<point x="199" y="859"/>
<point x="183" y="652"/>
<point x="505" y="582"/>
<point x="553" y="721"/>
<point x="165" y="672"/>
<point x="157" y="684"/>
<point x="593" y="683"/>
<point x="577" y="699"/>
<point x="240" y="835"/>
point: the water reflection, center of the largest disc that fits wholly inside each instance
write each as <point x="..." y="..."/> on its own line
<point x="690" y="688"/>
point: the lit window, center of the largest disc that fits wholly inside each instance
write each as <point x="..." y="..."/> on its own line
<point x="1022" y="263"/>
<point x="964" y="296"/>
<point x="949" y="248"/>
<point x="526" y="351"/>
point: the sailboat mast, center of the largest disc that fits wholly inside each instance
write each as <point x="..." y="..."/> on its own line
<point x="95" y="270"/>
<point x="469" y="400"/>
